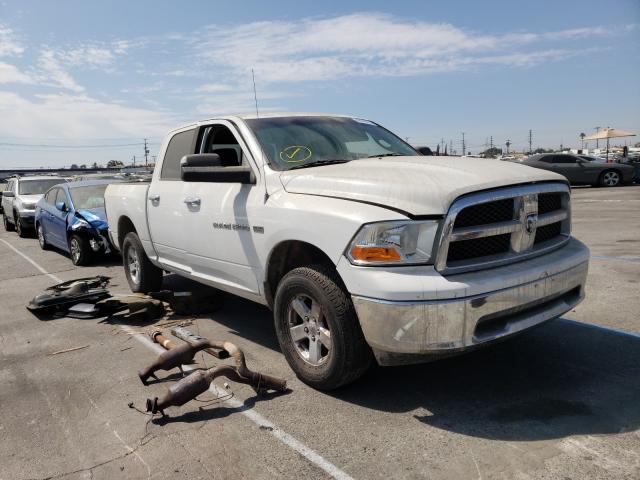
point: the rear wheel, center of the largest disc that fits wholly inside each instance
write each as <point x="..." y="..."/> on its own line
<point x="142" y="275"/>
<point x="41" y="239"/>
<point x="8" y="226"/>
<point x="80" y="250"/>
<point x="610" y="178"/>
<point x="318" y="329"/>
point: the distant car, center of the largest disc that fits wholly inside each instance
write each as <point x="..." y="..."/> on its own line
<point x="580" y="170"/>
<point x="424" y="150"/>
<point x="71" y="217"/>
<point x="19" y="200"/>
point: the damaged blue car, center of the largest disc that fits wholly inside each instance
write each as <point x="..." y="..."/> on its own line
<point x="72" y="217"/>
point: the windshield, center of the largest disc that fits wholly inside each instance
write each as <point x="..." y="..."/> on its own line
<point x="294" y="142"/>
<point x="37" y="187"/>
<point x="84" y="198"/>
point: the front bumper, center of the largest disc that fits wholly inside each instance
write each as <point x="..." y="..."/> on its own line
<point x="27" y="216"/>
<point x="404" y="331"/>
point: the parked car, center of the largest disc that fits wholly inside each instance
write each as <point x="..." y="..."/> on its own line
<point x="581" y="170"/>
<point x="19" y="200"/>
<point x="363" y="248"/>
<point x="71" y="217"/>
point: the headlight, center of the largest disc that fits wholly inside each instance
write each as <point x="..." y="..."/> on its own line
<point x="28" y="205"/>
<point x="393" y="243"/>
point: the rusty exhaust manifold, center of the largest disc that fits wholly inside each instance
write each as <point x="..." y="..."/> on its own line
<point x="199" y="381"/>
<point x="176" y="355"/>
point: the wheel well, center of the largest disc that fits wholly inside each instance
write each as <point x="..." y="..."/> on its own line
<point x="289" y="255"/>
<point x="125" y="225"/>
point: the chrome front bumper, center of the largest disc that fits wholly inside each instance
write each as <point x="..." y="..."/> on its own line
<point x="403" y="332"/>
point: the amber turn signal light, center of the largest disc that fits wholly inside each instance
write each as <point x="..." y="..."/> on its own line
<point x="375" y="254"/>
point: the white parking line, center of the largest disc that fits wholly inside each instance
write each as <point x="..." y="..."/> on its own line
<point x="38" y="267"/>
<point x="251" y="414"/>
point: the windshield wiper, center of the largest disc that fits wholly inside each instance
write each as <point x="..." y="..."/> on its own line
<point x="320" y="162"/>
<point x="386" y="155"/>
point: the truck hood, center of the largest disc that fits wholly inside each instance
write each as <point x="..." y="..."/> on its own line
<point x="414" y="185"/>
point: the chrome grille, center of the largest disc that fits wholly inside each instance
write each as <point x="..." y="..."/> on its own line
<point x="497" y="227"/>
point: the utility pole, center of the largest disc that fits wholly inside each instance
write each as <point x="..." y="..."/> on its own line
<point x="464" y="148"/>
<point x="450" y="147"/>
<point x="146" y="153"/>
<point x="530" y="142"/>
<point x="491" y="144"/>
<point x="508" y="144"/>
<point x="597" y="129"/>
<point x="134" y="160"/>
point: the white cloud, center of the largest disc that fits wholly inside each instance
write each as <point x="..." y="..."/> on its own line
<point x="11" y="74"/>
<point x="77" y="116"/>
<point x="9" y="45"/>
<point x="214" y="88"/>
<point x="369" y="44"/>
<point x="54" y="73"/>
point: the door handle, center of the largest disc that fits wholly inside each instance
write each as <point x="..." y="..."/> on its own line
<point x="154" y="198"/>
<point x="192" y="201"/>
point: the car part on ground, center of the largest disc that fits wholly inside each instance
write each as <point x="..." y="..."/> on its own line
<point x="195" y="302"/>
<point x="57" y="299"/>
<point x="199" y="381"/>
<point x="193" y="339"/>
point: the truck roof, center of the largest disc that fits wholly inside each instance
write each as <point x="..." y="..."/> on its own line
<point x="262" y="115"/>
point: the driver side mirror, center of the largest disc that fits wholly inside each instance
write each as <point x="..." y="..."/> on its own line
<point x="61" y="206"/>
<point x="8" y="194"/>
<point x="207" y="167"/>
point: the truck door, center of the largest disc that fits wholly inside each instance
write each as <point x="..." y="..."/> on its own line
<point x="221" y="236"/>
<point x="166" y="209"/>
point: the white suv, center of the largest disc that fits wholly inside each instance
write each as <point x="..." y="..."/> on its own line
<point x="19" y="200"/>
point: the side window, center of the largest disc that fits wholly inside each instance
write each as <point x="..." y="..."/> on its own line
<point x="61" y="197"/>
<point x="219" y="139"/>
<point x="563" y="159"/>
<point x="181" y="144"/>
<point x="50" y="197"/>
<point x="547" y="159"/>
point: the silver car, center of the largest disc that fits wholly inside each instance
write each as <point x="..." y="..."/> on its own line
<point x="19" y="200"/>
<point x="579" y="170"/>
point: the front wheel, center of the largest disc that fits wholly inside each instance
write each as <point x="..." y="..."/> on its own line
<point x="610" y="178"/>
<point x="142" y="275"/>
<point x="42" y="241"/>
<point x="80" y="250"/>
<point x="21" y="230"/>
<point x="318" y="329"/>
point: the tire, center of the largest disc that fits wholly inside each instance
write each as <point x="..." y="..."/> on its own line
<point x="42" y="241"/>
<point x="21" y="230"/>
<point x="8" y="226"/>
<point x="142" y="275"/>
<point x="328" y="350"/>
<point x="80" y="250"/>
<point x="610" y="178"/>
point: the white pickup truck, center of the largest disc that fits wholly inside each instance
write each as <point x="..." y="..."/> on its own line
<point x="362" y="248"/>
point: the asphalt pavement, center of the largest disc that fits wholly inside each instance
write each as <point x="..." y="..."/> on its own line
<point x="561" y="401"/>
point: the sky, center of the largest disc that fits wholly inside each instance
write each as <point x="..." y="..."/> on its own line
<point x="84" y="82"/>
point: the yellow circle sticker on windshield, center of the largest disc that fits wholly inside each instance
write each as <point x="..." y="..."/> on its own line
<point x="295" y="154"/>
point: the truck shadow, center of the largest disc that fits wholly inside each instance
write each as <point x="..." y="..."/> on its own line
<point x="561" y="379"/>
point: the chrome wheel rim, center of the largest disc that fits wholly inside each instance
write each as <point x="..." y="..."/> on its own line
<point x="74" y="246"/>
<point x="133" y="265"/>
<point x="611" y="179"/>
<point x="309" y="330"/>
<point x="41" y="236"/>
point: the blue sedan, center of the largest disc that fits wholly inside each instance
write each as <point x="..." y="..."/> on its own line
<point x="71" y="217"/>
